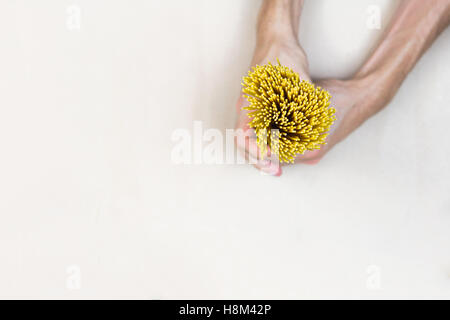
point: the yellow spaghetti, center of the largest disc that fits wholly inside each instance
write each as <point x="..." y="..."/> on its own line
<point x="289" y="116"/>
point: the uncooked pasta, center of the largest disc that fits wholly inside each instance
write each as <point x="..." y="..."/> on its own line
<point x="289" y="115"/>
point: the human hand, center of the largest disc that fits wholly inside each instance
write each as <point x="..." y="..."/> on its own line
<point x="350" y="99"/>
<point x="289" y="53"/>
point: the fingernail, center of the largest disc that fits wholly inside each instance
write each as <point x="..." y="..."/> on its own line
<point x="274" y="169"/>
<point x="278" y="174"/>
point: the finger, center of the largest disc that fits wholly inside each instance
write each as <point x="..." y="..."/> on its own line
<point x="242" y="102"/>
<point x="248" y="146"/>
<point x="266" y="166"/>
<point x="273" y="169"/>
<point x="247" y="143"/>
<point x="310" y="157"/>
<point x="254" y="160"/>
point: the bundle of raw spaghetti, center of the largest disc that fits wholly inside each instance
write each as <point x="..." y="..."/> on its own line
<point x="289" y="116"/>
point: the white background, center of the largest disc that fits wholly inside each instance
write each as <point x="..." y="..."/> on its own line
<point x="92" y="207"/>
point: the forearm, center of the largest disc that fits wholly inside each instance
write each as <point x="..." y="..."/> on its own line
<point x="278" y="20"/>
<point x="415" y="25"/>
<point x="277" y="33"/>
